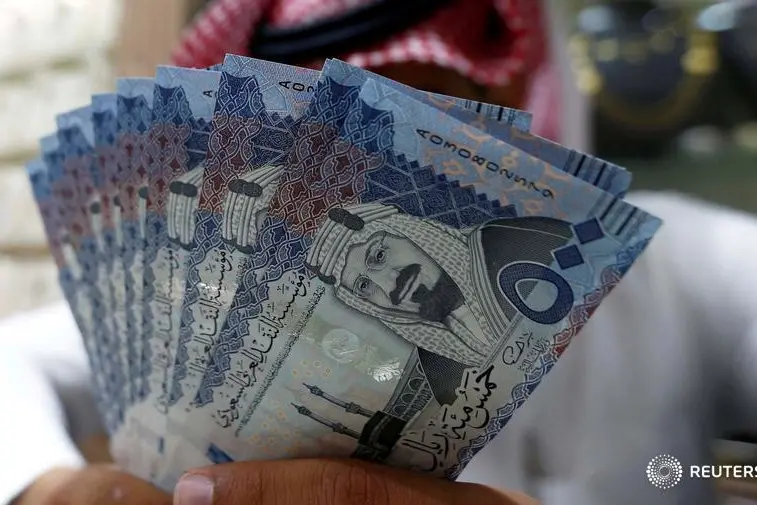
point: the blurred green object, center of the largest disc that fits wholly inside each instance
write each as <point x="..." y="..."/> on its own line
<point x="728" y="177"/>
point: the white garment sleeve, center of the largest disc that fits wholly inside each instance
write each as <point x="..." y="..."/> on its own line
<point x="47" y="403"/>
<point x="744" y="388"/>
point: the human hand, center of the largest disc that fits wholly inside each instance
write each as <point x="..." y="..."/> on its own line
<point x="328" y="482"/>
<point x="91" y="485"/>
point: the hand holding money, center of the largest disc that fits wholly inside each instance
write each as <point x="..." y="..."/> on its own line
<point x="269" y="262"/>
<point x="295" y="482"/>
<point x="328" y="482"/>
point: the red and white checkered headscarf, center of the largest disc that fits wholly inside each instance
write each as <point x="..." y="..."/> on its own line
<point x="454" y="37"/>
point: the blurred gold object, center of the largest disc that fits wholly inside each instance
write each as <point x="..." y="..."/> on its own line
<point x="607" y="50"/>
<point x="699" y="61"/>
<point x="589" y="81"/>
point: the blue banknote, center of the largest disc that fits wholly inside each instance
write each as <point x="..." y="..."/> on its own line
<point x="183" y="104"/>
<point x="133" y="159"/>
<point x="410" y="289"/>
<point x="105" y="124"/>
<point x="45" y="173"/>
<point x="254" y="125"/>
<point x="76" y="145"/>
<point x="138" y="444"/>
<point x="106" y="223"/>
<point x="182" y="110"/>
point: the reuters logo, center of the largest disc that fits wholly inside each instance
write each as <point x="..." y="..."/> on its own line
<point x="664" y="471"/>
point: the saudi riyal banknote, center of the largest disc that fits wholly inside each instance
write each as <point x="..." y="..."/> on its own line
<point x="254" y="125"/>
<point x="409" y="289"/>
<point x="79" y="169"/>
<point x="183" y="104"/>
<point x="134" y="117"/>
<point x="105" y="124"/>
<point x="44" y="175"/>
<point x="77" y="138"/>
<point x="134" y="156"/>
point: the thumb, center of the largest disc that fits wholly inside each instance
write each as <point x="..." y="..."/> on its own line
<point x="327" y="482"/>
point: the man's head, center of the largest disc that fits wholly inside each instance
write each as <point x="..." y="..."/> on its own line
<point x="391" y="265"/>
<point x="484" y="50"/>
<point x="393" y="272"/>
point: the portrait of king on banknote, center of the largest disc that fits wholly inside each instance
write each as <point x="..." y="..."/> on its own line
<point x="453" y="303"/>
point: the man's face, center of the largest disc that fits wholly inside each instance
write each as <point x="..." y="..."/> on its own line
<point x="391" y="272"/>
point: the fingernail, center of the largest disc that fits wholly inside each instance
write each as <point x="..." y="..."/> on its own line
<point x="193" y="490"/>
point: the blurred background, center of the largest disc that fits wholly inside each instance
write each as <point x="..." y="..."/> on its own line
<point x="667" y="88"/>
<point x="53" y="55"/>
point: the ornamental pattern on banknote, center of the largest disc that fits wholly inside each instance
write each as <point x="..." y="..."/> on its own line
<point x="37" y="173"/>
<point x="136" y="155"/>
<point x="52" y="161"/>
<point x="100" y="213"/>
<point x="326" y="116"/>
<point x="245" y="136"/>
<point x="106" y="128"/>
<point x="169" y="134"/>
<point x="579" y="316"/>
<point x="343" y="176"/>
<point x="170" y="131"/>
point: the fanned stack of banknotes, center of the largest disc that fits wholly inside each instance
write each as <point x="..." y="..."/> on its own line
<point x="271" y="262"/>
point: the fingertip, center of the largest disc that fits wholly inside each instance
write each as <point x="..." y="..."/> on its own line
<point x="193" y="489"/>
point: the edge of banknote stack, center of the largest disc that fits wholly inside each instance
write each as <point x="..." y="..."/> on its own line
<point x="267" y="262"/>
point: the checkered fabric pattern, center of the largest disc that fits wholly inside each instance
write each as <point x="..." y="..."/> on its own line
<point x="454" y="37"/>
